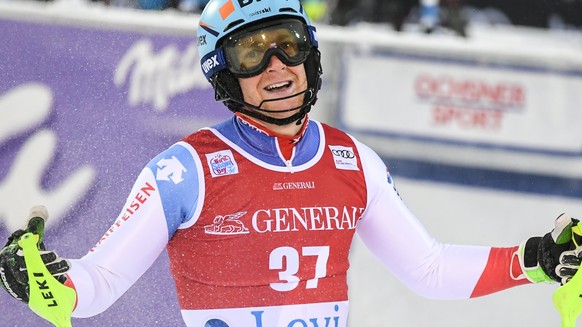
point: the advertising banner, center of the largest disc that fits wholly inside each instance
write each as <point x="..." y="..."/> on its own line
<point x="82" y="111"/>
<point x="473" y="102"/>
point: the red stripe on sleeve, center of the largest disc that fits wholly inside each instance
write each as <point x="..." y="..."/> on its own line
<point x="497" y="276"/>
<point x="69" y="283"/>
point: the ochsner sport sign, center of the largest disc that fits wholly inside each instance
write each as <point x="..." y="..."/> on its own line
<point x="530" y="108"/>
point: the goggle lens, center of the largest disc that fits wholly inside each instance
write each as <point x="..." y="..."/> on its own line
<point x="249" y="53"/>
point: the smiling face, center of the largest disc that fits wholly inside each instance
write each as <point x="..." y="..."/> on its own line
<point x="268" y="61"/>
<point x="276" y="81"/>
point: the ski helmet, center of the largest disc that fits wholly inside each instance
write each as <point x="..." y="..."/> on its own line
<point x="223" y="22"/>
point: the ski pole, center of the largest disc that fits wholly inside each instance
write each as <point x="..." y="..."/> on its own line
<point x="48" y="298"/>
<point x="568" y="298"/>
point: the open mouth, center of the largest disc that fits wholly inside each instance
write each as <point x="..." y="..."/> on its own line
<point x="278" y="86"/>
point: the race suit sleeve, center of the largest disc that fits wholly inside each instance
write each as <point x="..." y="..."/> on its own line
<point x="163" y="197"/>
<point x="428" y="267"/>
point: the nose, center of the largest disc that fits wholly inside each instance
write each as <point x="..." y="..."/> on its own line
<point x="275" y="64"/>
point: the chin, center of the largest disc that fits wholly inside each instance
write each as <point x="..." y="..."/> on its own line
<point x="284" y="105"/>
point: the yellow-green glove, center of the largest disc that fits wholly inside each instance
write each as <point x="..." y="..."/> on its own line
<point x="13" y="270"/>
<point x="540" y="257"/>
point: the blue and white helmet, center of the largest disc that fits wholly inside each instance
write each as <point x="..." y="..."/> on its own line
<point x="221" y="18"/>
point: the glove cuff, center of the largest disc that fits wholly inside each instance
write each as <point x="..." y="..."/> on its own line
<point x="528" y="260"/>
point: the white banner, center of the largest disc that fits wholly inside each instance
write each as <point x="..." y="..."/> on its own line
<point x="468" y="101"/>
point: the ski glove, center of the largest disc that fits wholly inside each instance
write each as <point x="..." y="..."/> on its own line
<point x="570" y="260"/>
<point x="13" y="274"/>
<point x="554" y="257"/>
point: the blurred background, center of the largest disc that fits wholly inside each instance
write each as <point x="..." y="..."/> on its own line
<point x="454" y="14"/>
<point x="475" y="107"/>
<point x="431" y="14"/>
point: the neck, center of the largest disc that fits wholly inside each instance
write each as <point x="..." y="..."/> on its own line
<point x="286" y="136"/>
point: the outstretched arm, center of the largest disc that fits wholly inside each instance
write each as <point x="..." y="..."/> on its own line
<point x="159" y="202"/>
<point x="124" y="253"/>
<point x="434" y="269"/>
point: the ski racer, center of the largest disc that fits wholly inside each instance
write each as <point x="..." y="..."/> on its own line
<point x="259" y="221"/>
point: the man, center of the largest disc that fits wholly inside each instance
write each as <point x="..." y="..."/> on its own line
<point x="259" y="222"/>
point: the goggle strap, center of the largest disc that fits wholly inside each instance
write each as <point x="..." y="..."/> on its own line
<point x="313" y="35"/>
<point x="213" y="62"/>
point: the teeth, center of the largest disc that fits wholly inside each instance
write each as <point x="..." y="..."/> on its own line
<point x="276" y="86"/>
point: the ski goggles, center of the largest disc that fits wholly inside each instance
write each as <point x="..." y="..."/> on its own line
<point x="249" y="52"/>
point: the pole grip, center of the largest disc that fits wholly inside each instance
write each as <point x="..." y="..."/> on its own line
<point x="48" y="298"/>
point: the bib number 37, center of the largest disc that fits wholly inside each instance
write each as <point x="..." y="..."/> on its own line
<point x="288" y="260"/>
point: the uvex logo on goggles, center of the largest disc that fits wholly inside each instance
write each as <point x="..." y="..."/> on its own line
<point x="213" y="63"/>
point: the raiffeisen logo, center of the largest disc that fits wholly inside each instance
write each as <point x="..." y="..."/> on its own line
<point x="138" y="199"/>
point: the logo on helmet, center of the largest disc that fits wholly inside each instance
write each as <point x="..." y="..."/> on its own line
<point x="259" y="12"/>
<point x="244" y="3"/>
<point x="201" y="40"/>
<point x="226" y="9"/>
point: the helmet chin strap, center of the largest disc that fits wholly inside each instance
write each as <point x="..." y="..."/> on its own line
<point x="298" y="117"/>
<point x="256" y="111"/>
